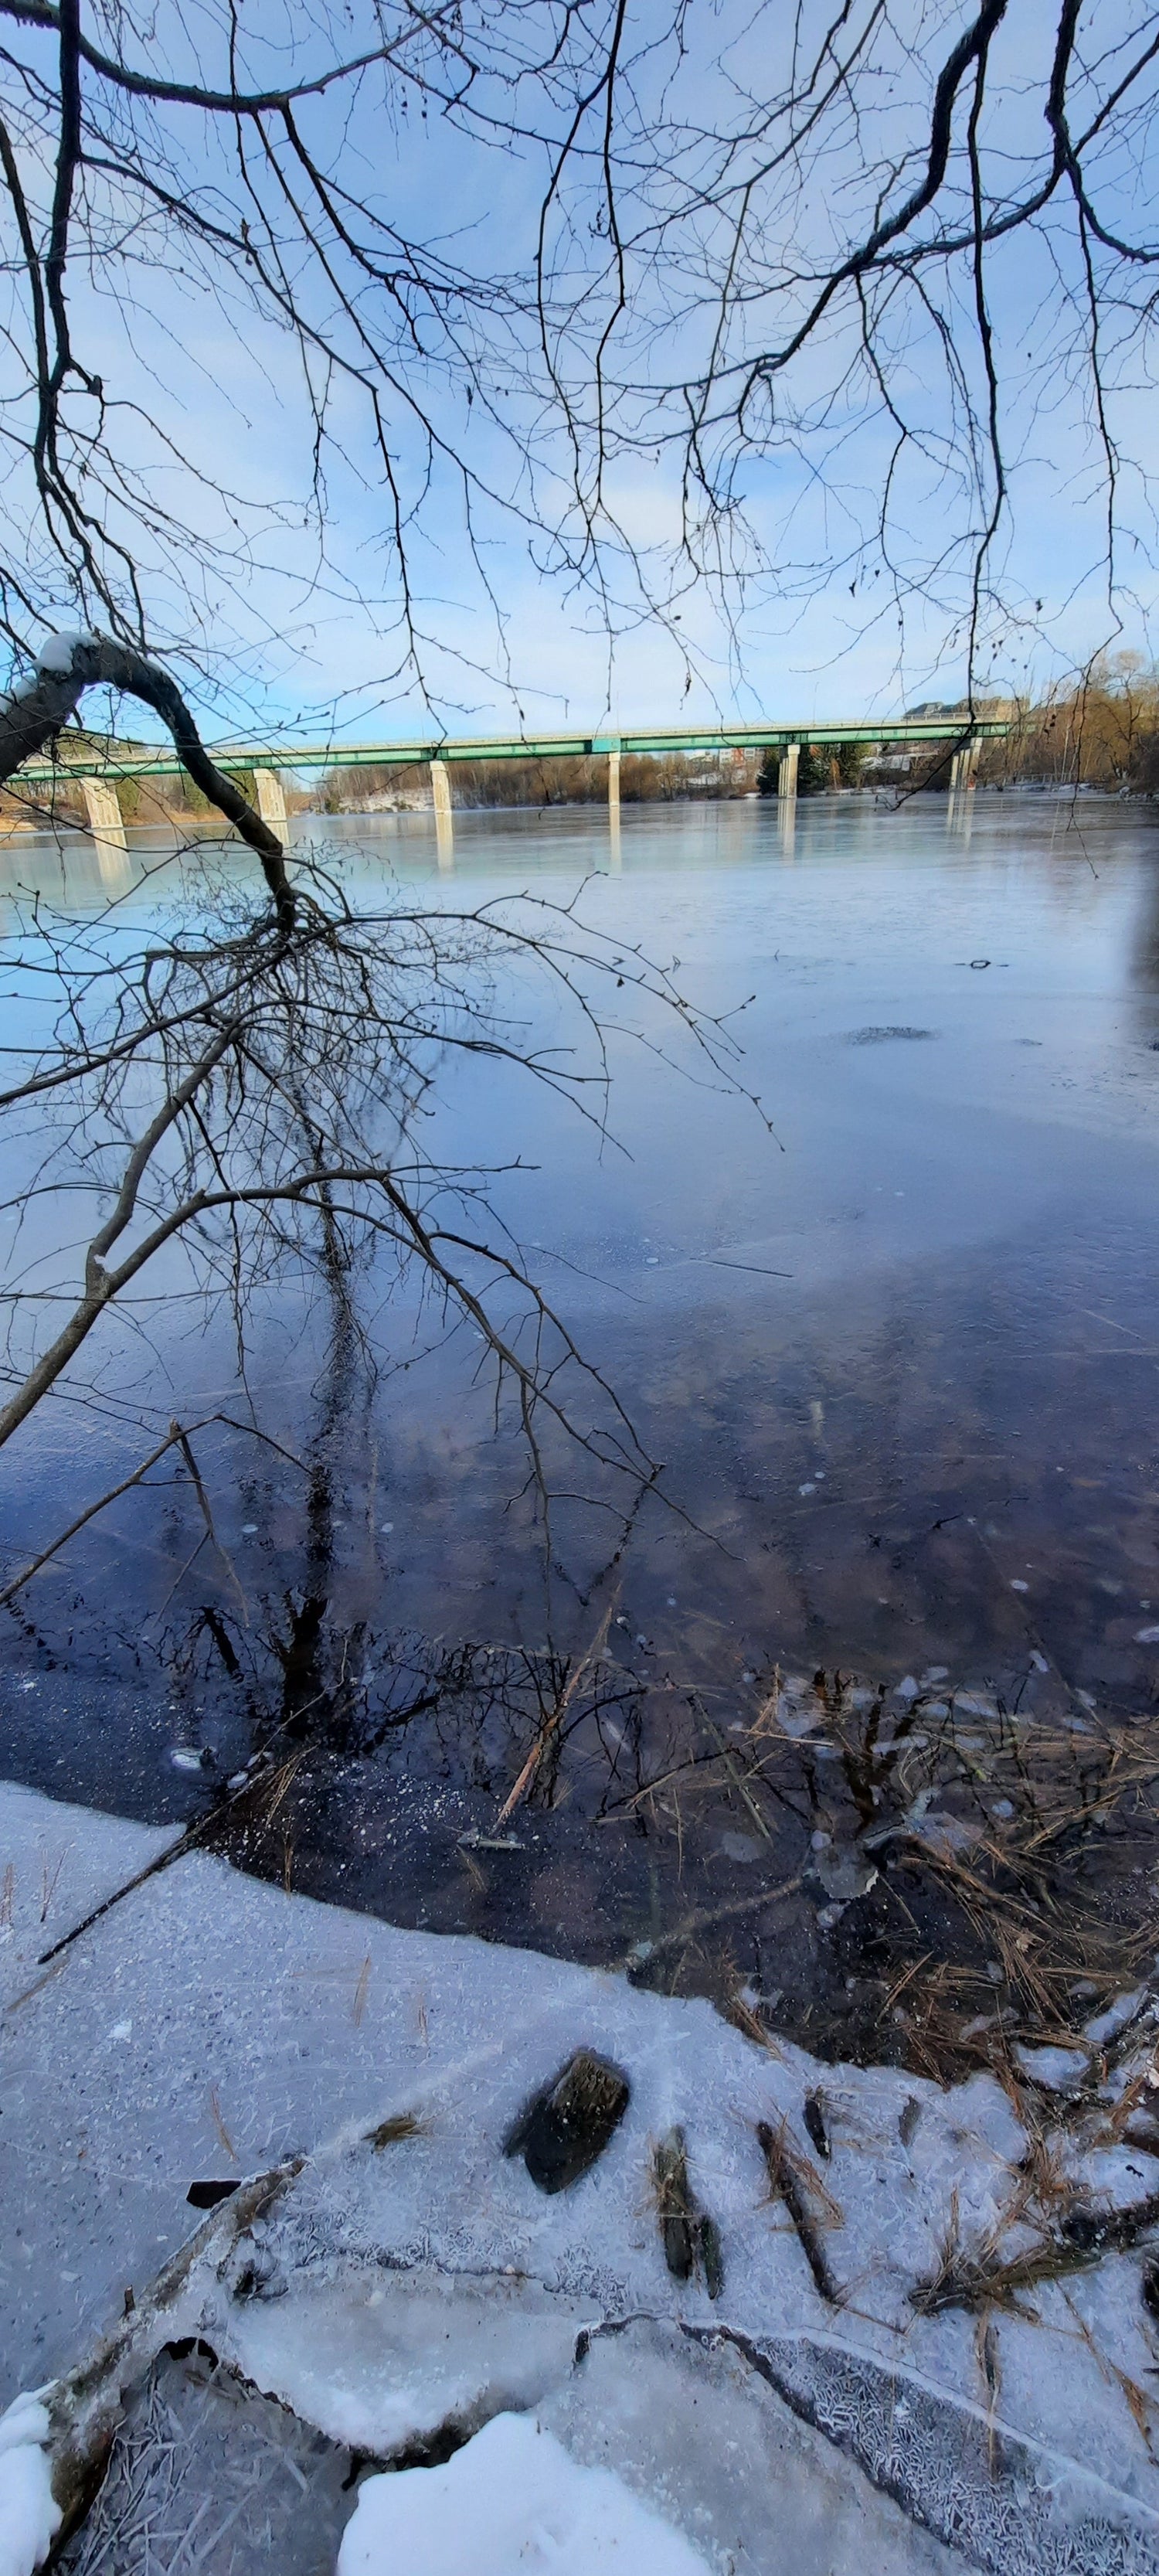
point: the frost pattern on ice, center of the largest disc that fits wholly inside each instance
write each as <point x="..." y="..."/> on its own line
<point x="1010" y="2510"/>
<point x="206" y="2479"/>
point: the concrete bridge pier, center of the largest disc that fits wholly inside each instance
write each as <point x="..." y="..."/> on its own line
<point x="963" y="767"/>
<point x="444" y="825"/>
<point x="271" y="797"/>
<point x="104" y="812"/>
<point x="609" y="746"/>
<point x="787" y="773"/>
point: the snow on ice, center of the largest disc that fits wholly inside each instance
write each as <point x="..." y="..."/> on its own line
<point x="513" y="2498"/>
<point x="29" y="2514"/>
<point x="859" y="2388"/>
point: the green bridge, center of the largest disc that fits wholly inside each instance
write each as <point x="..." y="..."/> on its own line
<point x="99" y="772"/>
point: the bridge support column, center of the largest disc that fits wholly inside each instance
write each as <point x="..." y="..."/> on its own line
<point x="271" y="796"/>
<point x="444" y="826"/>
<point x="614" y="784"/>
<point x="787" y="773"/>
<point x="103" y="811"/>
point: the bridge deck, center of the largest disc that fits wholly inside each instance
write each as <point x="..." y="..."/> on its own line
<point x="163" y="763"/>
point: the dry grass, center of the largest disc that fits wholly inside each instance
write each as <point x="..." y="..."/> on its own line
<point x="1013" y="1902"/>
<point x="224" y="2137"/>
<point x="985" y="2276"/>
<point x="401" y="2124"/>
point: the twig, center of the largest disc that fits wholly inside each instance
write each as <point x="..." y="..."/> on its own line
<point x="552" y="1723"/>
<point x="785" y="2178"/>
<point x="207" y="1516"/>
<point x="733" y="1770"/>
<point x="175" y="1433"/>
<point x="706" y="1922"/>
<point x="185" y="1842"/>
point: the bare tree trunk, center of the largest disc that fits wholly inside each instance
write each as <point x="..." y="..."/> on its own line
<point x="36" y="709"/>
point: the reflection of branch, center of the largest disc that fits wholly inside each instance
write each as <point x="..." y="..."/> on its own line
<point x="101" y="1284"/>
<point x="175" y="1434"/>
<point x="273" y="1057"/>
<point x="47" y="1553"/>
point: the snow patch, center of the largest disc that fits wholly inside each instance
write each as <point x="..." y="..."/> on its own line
<point x="1108" y="2024"/>
<point x="511" y="2499"/>
<point x="29" y="2513"/>
<point x="58" y="656"/>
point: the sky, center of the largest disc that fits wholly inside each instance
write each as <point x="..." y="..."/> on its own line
<point x="270" y="563"/>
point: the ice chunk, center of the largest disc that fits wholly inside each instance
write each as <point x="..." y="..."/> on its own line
<point x="512" y="2498"/>
<point x="1107" y="2025"/>
<point x="1061" y="2070"/>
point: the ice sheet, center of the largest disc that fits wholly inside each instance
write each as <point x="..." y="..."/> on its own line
<point x="413" y="2277"/>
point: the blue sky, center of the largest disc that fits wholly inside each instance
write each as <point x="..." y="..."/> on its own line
<point x="285" y="628"/>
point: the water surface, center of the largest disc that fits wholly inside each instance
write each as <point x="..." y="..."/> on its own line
<point x="898" y="1359"/>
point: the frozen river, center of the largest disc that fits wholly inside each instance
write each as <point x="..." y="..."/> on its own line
<point x="898" y="1359"/>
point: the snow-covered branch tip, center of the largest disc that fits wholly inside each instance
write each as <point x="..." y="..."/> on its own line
<point x="34" y="711"/>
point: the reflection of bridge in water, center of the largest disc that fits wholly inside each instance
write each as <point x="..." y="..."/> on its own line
<point x="98" y="773"/>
